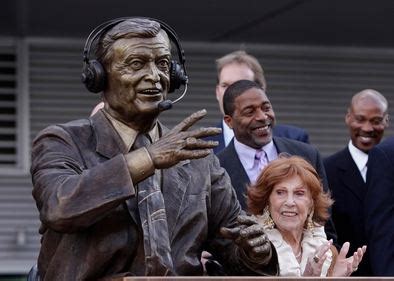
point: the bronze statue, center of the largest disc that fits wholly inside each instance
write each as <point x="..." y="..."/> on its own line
<point x="119" y="194"/>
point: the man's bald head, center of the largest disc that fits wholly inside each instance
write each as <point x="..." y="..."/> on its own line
<point x="369" y="95"/>
<point x="367" y="118"/>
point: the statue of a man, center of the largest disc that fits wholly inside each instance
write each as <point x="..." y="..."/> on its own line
<point x="119" y="194"/>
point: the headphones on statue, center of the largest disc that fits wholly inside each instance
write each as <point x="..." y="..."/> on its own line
<point x="93" y="72"/>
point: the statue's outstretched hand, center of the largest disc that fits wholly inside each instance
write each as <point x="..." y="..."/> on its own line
<point x="180" y="144"/>
<point x="251" y="239"/>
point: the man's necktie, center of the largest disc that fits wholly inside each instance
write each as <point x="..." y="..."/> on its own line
<point x="364" y="172"/>
<point x="154" y="222"/>
<point x="260" y="161"/>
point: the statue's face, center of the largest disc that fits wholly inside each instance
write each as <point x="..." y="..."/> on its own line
<point x="138" y="78"/>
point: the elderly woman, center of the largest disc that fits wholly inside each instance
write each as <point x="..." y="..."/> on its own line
<point x="289" y="201"/>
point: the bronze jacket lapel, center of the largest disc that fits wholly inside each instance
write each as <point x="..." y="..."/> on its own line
<point x="108" y="141"/>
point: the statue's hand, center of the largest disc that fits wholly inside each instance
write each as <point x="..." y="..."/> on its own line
<point x="253" y="242"/>
<point x="180" y="144"/>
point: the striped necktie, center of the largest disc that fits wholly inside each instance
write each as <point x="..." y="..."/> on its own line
<point x="153" y="217"/>
<point x="260" y="161"/>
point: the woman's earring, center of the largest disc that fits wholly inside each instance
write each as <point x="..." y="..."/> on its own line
<point x="268" y="222"/>
<point x="309" y="223"/>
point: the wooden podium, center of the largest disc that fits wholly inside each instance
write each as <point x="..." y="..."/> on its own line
<point x="246" y="278"/>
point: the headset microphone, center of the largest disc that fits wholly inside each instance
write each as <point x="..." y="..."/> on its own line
<point x="167" y="104"/>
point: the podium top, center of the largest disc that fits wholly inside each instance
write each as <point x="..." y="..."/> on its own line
<point x="245" y="278"/>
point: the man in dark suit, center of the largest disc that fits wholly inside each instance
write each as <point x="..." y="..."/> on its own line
<point x="379" y="208"/>
<point x="366" y="120"/>
<point x="249" y="113"/>
<point x="236" y="66"/>
<point x="119" y="194"/>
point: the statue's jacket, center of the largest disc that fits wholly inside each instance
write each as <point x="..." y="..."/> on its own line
<point x="89" y="216"/>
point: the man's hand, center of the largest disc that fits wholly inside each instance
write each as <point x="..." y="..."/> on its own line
<point x="180" y="144"/>
<point x="251" y="239"/>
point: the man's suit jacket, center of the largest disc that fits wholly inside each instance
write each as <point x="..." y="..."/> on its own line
<point x="379" y="208"/>
<point x="88" y="206"/>
<point x="285" y="131"/>
<point x="348" y="191"/>
<point x="230" y="161"/>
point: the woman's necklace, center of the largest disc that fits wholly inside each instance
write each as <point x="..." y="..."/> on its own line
<point x="298" y="256"/>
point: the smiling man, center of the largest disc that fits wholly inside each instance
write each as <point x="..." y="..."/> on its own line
<point x="119" y="194"/>
<point x="249" y="113"/>
<point x="240" y="65"/>
<point x="366" y="118"/>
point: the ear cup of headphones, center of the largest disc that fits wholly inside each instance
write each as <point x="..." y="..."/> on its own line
<point x="177" y="76"/>
<point x="93" y="76"/>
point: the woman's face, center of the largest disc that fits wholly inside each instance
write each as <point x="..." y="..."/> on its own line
<point x="290" y="204"/>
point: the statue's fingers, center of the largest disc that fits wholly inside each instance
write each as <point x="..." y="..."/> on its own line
<point x="189" y="121"/>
